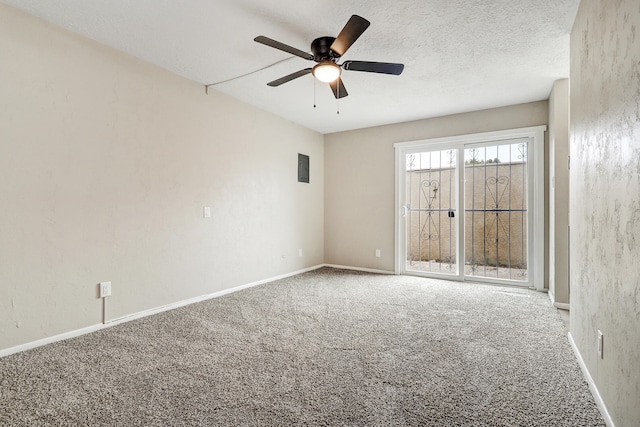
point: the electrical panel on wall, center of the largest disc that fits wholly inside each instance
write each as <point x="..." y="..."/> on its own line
<point x="303" y="168"/>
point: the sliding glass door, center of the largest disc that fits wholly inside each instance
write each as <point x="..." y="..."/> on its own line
<point x="470" y="208"/>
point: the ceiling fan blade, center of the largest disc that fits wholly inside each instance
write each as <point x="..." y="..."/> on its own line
<point x="339" y="91"/>
<point x="289" y="77"/>
<point x="374" y="67"/>
<point x="349" y="34"/>
<point x="284" y="47"/>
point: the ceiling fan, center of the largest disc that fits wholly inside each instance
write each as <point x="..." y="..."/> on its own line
<point x="326" y="52"/>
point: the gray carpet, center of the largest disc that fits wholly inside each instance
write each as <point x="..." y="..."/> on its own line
<point x="329" y="347"/>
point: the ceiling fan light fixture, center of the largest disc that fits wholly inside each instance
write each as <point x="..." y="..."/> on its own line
<point x="326" y="71"/>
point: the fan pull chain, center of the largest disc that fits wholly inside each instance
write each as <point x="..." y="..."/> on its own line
<point x="314" y="93"/>
<point x="338" y="97"/>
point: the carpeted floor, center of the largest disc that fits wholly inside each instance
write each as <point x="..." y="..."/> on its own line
<point x="329" y="347"/>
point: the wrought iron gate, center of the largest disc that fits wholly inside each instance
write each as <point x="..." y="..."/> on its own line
<point x="431" y="212"/>
<point x="495" y="211"/>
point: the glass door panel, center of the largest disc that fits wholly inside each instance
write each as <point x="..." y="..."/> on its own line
<point x="495" y="226"/>
<point x="430" y="212"/>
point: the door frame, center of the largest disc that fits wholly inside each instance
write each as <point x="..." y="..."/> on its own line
<point x="535" y="176"/>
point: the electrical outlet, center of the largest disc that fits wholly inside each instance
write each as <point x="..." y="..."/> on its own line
<point x="206" y="212"/>
<point x="105" y="289"/>
<point x="377" y="253"/>
<point x="600" y="344"/>
<point x="299" y="252"/>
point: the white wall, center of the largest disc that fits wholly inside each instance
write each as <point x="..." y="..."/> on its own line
<point x="106" y="165"/>
<point x="359" y="178"/>
<point x="558" y="243"/>
<point x="605" y="199"/>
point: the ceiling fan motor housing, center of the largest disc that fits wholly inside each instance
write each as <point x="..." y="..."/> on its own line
<point x="321" y="49"/>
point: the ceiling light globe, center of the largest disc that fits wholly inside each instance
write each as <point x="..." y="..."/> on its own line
<point x="326" y="72"/>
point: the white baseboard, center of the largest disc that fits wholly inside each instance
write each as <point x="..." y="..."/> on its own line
<point x="194" y="300"/>
<point x="145" y="313"/>
<point x="50" y="340"/>
<point x="366" y="270"/>
<point x="560" y="305"/>
<point x="592" y="385"/>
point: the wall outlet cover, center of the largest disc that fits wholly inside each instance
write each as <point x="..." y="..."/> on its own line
<point x="600" y="344"/>
<point x="105" y="289"/>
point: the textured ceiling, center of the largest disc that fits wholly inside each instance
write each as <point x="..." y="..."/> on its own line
<point x="459" y="55"/>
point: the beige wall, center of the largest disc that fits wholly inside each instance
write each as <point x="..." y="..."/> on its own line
<point x="558" y="242"/>
<point x="605" y="199"/>
<point x="359" y="178"/>
<point x="106" y="165"/>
